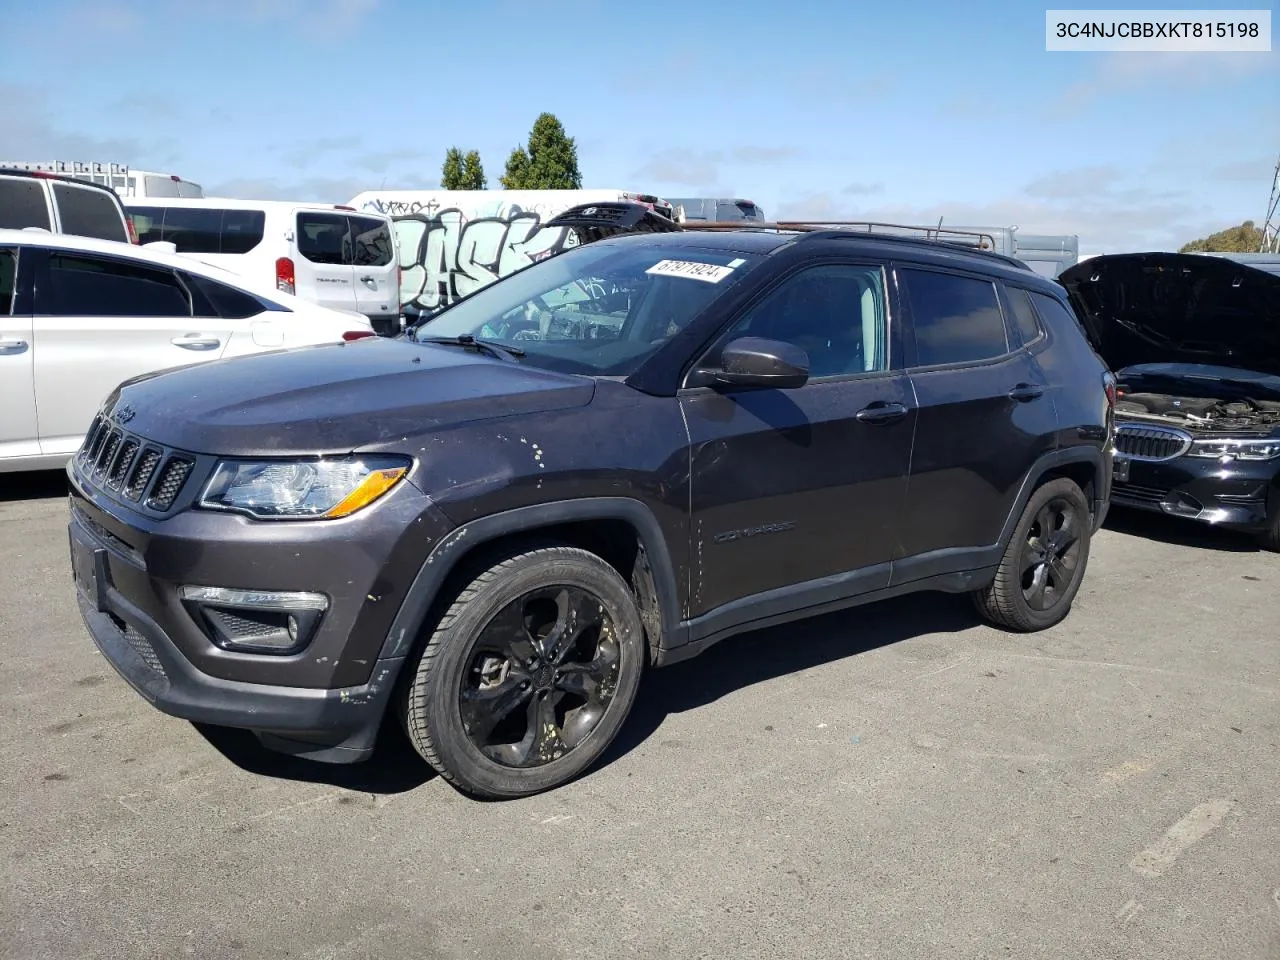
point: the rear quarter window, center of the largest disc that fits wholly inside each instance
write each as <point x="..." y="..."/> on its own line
<point x="22" y="204"/>
<point x="372" y="244"/>
<point x="89" y="213"/>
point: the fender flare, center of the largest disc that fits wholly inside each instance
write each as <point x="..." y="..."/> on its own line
<point x="453" y="546"/>
<point x="1061" y="457"/>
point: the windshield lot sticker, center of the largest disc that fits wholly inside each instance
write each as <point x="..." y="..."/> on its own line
<point x="709" y="272"/>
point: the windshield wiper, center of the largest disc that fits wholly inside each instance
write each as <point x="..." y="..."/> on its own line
<point x="467" y="340"/>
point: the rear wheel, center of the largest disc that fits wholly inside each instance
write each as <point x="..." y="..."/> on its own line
<point x="529" y="675"/>
<point x="1044" y="563"/>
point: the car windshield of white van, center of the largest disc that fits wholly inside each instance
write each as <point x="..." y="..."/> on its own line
<point x="600" y="309"/>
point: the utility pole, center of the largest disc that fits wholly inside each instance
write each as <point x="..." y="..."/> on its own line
<point x="1271" y="223"/>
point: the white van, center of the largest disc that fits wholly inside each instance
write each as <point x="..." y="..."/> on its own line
<point x="330" y="255"/>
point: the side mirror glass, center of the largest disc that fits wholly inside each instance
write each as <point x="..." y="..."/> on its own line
<point x="757" y="362"/>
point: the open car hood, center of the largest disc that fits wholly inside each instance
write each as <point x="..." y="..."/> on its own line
<point x="1178" y="308"/>
<point x="596" y="221"/>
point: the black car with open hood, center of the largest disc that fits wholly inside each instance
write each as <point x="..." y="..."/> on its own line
<point x="1194" y="340"/>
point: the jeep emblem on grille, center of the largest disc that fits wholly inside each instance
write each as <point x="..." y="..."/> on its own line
<point x="124" y="413"/>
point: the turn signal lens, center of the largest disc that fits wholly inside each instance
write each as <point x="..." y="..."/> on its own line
<point x="370" y="489"/>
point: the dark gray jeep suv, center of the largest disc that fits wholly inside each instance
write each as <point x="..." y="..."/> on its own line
<point x="607" y="461"/>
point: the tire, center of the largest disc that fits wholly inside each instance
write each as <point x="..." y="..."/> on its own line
<point x="1007" y="602"/>
<point x="597" y="614"/>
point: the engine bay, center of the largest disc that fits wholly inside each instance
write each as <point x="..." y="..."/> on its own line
<point x="1199" y="413"/>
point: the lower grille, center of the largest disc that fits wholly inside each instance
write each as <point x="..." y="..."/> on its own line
<point x="1143" y="442"/>
<point x="1132" y="491"/>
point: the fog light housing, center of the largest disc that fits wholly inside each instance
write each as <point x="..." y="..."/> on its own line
<point x="256" y="621"/>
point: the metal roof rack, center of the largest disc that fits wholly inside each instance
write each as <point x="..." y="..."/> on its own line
<point x="966" y="238"/>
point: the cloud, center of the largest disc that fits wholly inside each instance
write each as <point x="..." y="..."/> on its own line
<point x="1257" y="170"/>
<point x="380" y="161"/>
<point x="700" y="169"/>
<point x="301" y="153"/>
<point x="1105" y="209"/>
<point x="863" y="189"/>
<point x="308" y="189"/>
<point x="1121" y="73"/>
<point x="30" y="135"/>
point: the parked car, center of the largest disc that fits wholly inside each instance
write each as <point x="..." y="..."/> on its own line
<point x="609" y="460"/>
<point x="61" y="204"/>
<point x="78" y="316"/>
<point x="1194" y="340"/>
<point x="327" y="254"/>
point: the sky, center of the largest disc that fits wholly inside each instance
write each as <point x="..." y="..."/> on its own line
<point x="902" y="111"/>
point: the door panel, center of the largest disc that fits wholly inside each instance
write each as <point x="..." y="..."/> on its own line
<point x="323" y="260"/>
<point x="18" y="434"/>
<point x="791" y="486"/>
<point x="984" y="417"/>
<point x="377" y="277"/>
<point x="99" y="321"/>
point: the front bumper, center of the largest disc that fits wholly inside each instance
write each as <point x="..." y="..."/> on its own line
<point x="325" y="702"/>
<point x="1241" y="495"/>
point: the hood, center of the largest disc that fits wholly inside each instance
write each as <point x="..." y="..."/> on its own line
<point x="336" y="398"/>
<point x="1178" y="308"/>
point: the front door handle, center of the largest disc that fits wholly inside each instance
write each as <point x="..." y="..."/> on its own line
<point x="195" y="342"/>
<point x="369" y="280"/>
<point x="881" y="412"/>
<point x="1026" y="391"/>
<point x="8" y="345"/>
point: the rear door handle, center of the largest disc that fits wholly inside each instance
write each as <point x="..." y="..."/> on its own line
<point x="881" y="412"/>
<point x="1026" y="391"/>
<point x="195" y="342"/>
<point x="368" y="280"/>
<point x="8" y="345"/>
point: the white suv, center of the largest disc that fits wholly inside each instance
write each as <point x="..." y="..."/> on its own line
<point x="58" y="204"/>
<point x="328" y="254"/>
<point x="79" y="316"/>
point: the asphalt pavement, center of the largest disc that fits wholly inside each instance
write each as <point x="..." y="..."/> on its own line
<point x="893" y="782"/>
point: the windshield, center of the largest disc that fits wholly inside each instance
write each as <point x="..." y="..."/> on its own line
<point x="600" y="309"/>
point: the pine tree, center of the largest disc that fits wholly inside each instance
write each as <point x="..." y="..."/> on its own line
<point x="548" y="162"/>
<point x="452" y="174"/>
<point x="473" y="172"/>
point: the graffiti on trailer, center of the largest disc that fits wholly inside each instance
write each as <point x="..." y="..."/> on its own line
<point x="445" y="256"/>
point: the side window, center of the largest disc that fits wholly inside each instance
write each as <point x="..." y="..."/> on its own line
<point x="8" y="280"/>
<point x="324" y="238"/>
<point x="1052" y="310"/>
<point x="1024" y="317"/>
<point x="22" y="204"/>
<point x="148" y="222"/>
<point x="220" y="300"/>
<point x="242" y="230"/>
<point x="194" y="230"/>
<point x="956" y="319"/>
<point x="371" y="241"/>
<point x="89" y="213"/>
<point x="85" y="285"/>
<point x="836" y="312"/>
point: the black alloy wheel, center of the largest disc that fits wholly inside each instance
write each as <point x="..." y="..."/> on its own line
<point x="542" y="676"/>
<point x="1043" y="563"/>
<point x="528" y="675"/>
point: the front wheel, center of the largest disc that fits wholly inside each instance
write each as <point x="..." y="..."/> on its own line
<point x="529" y="675"/>
<point x="1044" y="562"/>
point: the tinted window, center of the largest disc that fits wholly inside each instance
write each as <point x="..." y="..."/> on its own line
<point x="1054" y="312"/>
<point x="956" y="319"/>
<point x="148" y="222"/>
<point x="89" y="213"/>
<point x="242" y="230"/>
<point x="8" y="275"/>
<point x="836" y="312"/>
<point x="1024" y="317"/>
<point x="193" y="231"/>
<point x="324" y="238"/>
<point x="22" y="204"/>
<point x="371" y="241"/>
<point x="228" y="302"/>
<point x="92" y="286"/>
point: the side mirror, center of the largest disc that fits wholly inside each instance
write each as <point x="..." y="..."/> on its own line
<point x="757" y="362"/>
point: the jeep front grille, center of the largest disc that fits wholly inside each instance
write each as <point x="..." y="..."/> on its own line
<point x="1146" y="442"/>
<point x="130" y="467"/>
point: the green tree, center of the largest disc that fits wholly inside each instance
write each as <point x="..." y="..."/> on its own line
<point x="549" y="161"/>
<point x="473" y="172"/>
<point x="462" y="172"/>
<point x="1245" y="238"/>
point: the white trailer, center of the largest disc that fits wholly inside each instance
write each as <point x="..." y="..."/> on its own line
<point x="452" y="242"/>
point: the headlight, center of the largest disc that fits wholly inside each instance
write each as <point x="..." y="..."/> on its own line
<point x="1235" y="449"/>
<point x="301" y="489"/>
